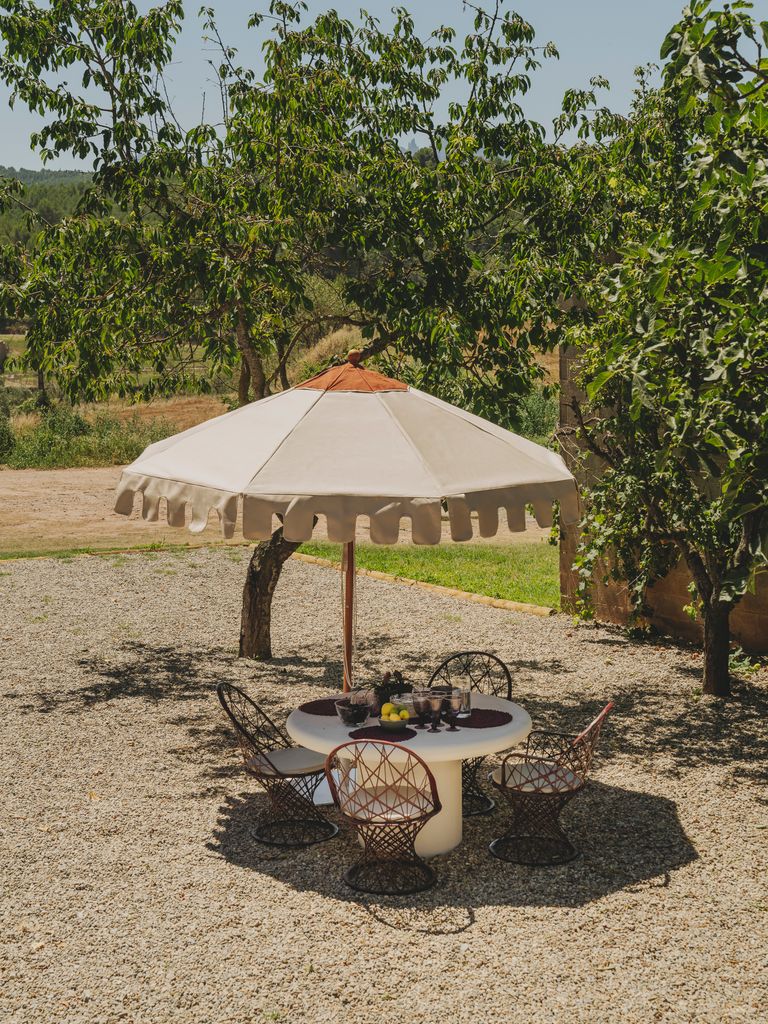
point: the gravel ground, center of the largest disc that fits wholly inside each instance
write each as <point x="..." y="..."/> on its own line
<point x="133" y="892"/>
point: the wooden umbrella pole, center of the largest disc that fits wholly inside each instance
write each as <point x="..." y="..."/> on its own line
<point x="349" y="611"/>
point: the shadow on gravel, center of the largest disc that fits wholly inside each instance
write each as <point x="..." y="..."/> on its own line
<point x="629" y="841"/>
<point x="178" y="675"/>
<point x="665" y="733"/>
<point x="671" y="734"/>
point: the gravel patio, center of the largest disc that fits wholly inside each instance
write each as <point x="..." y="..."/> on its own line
<point x="133" y="891"/>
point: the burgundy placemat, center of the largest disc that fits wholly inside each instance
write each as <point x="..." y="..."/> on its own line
<point x="484" y="718"/>
<point x="375" y="732"/>
<point x="322" y="706"/>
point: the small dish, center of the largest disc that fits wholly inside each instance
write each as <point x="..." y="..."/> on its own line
<point x="393" y="726"/>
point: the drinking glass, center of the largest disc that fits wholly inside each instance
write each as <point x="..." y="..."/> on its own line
<point x="436" y="704"/>
<point x="466" y="703"/>
<point x="363" y="695"/>
<point x="453" y="701"/>
<point x="422" y="707"/>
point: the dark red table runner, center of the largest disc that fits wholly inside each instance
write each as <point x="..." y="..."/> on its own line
<point x="481" y="718"/>
<point x="375" y="732"/>
<point x="322" y="706"/>
<point x="484" y="718"/>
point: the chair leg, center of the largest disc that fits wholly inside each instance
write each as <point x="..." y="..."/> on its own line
<point x="390" y="865"/>
<point x="291" y="818"/>
<point x="535" y="836"/>
<point x="474" y="799"/>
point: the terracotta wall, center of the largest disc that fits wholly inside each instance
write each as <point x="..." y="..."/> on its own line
<point x="749" y="621"/>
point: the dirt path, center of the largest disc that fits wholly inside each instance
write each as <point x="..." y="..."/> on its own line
<point x="59" y="509"/>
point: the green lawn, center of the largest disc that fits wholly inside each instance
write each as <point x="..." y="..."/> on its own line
<point x="514" y="572"/>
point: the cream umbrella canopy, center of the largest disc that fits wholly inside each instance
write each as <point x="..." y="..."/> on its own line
<point x="347" y="443"/>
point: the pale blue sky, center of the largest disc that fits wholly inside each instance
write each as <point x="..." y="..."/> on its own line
<point x="605" y="37"/>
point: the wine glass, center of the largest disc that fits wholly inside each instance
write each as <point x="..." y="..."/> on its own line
<point x="421" y="706"/>
<point x="453" y="707"/>
<point x="436" y="704"/>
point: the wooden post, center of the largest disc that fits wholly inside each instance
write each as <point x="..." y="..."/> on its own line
<point x="349" y="611"/>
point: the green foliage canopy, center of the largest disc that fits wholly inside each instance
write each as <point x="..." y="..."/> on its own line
<point x="675" y="356"/>
<point x="222" y="228"/>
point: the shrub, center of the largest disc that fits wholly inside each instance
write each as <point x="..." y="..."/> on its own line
<point x="64" y="438"/>
<point x="537" y="415"/>
<point x="7" y="439"/>
<point x="6" y="433"/>
<point x="20" y="399"/>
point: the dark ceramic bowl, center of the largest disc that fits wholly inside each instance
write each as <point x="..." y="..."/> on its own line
<point x="352" y="714"/>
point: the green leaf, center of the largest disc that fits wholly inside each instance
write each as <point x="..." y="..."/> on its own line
<point x="596" y="385"/>
<point x="658" y="283"/>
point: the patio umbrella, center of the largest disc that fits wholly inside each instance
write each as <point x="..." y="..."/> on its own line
<point x="349" y="442"/>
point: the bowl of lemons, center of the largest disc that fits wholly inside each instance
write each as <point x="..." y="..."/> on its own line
<point x="394" y="717"/>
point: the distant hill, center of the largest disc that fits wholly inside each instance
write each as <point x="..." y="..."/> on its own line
<point x="53" y="194"/>
<point x="43" y="177"/>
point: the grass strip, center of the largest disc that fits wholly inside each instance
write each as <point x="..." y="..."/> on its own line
<point x="512" y="572"/>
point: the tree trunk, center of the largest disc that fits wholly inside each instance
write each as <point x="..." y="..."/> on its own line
<point x="281" y="368"/>
<point x="42" y="395"/>
<point x="251" y="357"/>
<point x="260" y="582"/>
<point x="244" y="383"/>
<point x="717" y="639"/>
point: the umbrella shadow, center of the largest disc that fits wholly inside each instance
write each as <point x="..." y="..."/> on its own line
<point x="629" y="840"/>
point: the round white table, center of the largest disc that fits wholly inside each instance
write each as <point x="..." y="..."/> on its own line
<point x="443" y="752"/>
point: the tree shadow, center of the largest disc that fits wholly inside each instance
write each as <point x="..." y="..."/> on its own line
<point x="663" y="734"/>
<point x="629" y="840"/>
<point x="669" y="736"/>
<point x="159" y="673"/>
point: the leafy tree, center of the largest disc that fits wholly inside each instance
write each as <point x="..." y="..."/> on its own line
<point x="674" y="352"/>
<point x="221" y="229"/>
<point x="207" y="243"/>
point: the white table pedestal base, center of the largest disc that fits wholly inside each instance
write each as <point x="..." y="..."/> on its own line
<point x="443" y="832"/>
<point x="323" y="796"/>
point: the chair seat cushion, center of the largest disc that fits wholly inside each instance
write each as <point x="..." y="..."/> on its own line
<point x="383" y="803"/>
<point x="537" y="777"/>
<point x="287" y="761"/>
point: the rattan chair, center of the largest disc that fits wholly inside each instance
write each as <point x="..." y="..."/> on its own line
<point x="537" y="785"/>
<point x="290" y="775"/>
<point x="387" y="798"/>
<point x="484" y="673"/>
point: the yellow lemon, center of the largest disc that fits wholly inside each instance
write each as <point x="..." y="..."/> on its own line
<point x="404" y="715"/>
<point x="394" y="717"/>
<point x="387" y="709"/>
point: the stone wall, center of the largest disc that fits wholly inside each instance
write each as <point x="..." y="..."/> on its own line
<point x="749" y="622"/>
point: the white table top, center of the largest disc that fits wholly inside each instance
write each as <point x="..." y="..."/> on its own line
<point x="323" y="733"/>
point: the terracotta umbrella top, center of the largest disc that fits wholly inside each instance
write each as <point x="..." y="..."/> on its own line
<point x="350" y="376"/>
<point x="350" y="442"/>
